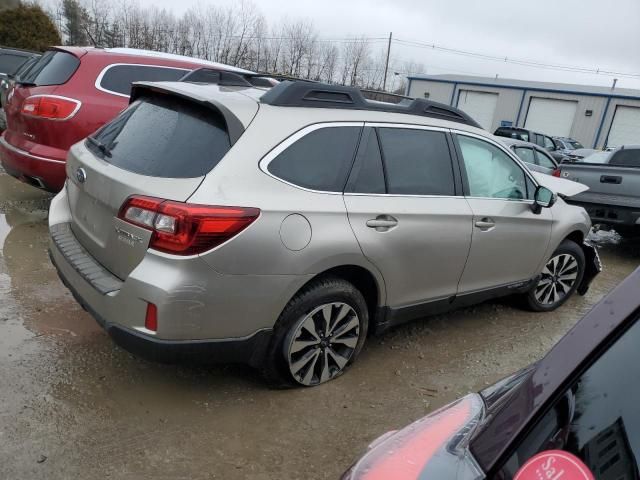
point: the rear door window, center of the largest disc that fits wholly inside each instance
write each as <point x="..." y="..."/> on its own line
<point x="626" y="158"/>
<point x="321" y="160"/>
<point x="53" y="68"/>
<point x="416" y="162"/>
<point x="367" y="175"/>
<point x="548" y="144"/>
<point x="163" y="136"/>
<point x="118" y="78"/>
<point x="597" y="419"/>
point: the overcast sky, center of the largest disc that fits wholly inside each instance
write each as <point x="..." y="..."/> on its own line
<point x="602" y="34"/>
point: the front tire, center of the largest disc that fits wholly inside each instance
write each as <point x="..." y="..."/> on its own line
<point x="319" y="334"/>
<point x="559" y="279"/>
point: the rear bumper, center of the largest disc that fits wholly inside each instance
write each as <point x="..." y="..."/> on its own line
<point x="250" y="350"/>
<point x="201" y="312"/>
<point x="40" y="171"/>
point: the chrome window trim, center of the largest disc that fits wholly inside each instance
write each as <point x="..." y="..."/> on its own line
<point x="104" y="71"/>
<point x="511" y="154"/>
<point x="286" y="143"/>
<point x="73" y="100"/>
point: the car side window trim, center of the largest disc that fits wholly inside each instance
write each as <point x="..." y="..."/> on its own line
<point x="458" y="187"/>
<point x="510" y="153"/>
<point x="287" y="142"/>
<point x="105" y="70"/>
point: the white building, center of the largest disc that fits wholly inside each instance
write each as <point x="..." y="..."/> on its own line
<point x="595" y="116"/>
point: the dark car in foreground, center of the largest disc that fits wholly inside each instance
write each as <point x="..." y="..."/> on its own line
<point x="574" y="411"/>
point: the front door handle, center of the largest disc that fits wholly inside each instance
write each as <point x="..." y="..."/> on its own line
<point x="382" y="223"/>
<point x="485" y="224"/>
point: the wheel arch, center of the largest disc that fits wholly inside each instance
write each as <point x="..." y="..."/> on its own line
<point x="367" y="282"/>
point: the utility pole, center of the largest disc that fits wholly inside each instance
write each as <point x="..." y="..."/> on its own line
<point x="386" y="67"/>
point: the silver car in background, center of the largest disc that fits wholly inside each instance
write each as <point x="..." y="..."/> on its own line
<point x="279" y="227"/>
<point x="536" y="158"/>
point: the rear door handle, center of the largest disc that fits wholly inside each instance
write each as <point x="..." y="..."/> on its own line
<point x="485" y="224"/>
<point x="382" y="223"/>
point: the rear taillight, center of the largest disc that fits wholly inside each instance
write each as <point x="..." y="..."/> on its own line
<point x="556" y="173"/>
<point x="51" y="107"/>
<point x="184" y="228"/>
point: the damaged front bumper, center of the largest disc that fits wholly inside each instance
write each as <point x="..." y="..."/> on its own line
<point x="593" y="266"/>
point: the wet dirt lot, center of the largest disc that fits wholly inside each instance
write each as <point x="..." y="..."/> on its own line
<point x="74" y="405"/>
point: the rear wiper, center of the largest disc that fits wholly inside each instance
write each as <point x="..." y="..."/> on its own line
<point x="100" y="146"/>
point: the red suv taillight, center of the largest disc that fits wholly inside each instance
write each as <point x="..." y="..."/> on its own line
<point x="184" y="228"/>
<point x="556" y="173"/>
<point x="51" y="107"/>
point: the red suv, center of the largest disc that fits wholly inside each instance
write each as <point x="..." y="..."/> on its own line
<point x="67" y="95"/>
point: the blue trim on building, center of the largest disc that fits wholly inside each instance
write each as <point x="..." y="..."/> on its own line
<point x="453" y="93"/>
<point x="524" y="94"/>
<point x="533" y="89"/>
<point x="604" y="115"/>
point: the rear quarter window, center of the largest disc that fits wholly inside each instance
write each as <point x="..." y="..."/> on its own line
<point x="321" y="160"/>
<point x="163" y="136"/>
<point x="118" y="78"/>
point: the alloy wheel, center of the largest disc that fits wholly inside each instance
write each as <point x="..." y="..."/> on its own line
<point x="322" y="343"/>
<point x="558" y="278"/>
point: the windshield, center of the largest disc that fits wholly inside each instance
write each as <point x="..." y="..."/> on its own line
<point x="573" y="144"/>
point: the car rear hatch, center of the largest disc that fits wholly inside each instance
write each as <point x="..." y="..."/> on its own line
<point x="162" y="146"/>
<point x="42" y="126"/>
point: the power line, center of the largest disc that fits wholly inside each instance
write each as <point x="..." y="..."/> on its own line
<point x="516" y="61"/>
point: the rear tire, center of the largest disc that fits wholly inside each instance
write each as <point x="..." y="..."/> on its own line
<point x="559" y="279"/>
<point x="318" y="335"/>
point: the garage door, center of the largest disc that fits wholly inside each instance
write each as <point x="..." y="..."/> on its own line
<point x="625" y="128"/>
<point x="481" y="106"/>
<point x="551" y="116"/>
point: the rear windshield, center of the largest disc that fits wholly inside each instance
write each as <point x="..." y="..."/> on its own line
<point x="163" y="136"/>
<point x="53" y="68"/>
<point x="9" y="63"/>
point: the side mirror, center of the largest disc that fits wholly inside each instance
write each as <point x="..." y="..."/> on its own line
<point x="543" y="198"/>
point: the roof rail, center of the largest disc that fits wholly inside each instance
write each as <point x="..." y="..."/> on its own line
<point x="322" y="95"/>
<point x="229" y="78"/>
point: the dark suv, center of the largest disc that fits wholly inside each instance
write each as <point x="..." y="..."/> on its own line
<point x="545" y="141"/>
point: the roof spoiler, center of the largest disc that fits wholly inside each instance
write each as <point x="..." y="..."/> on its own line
<point x="235" y="128"/>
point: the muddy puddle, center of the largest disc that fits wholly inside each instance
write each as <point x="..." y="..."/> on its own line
<point x="73" y="405"/>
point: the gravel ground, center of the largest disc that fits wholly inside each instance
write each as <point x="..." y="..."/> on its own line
<point x="74" y="405"/>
